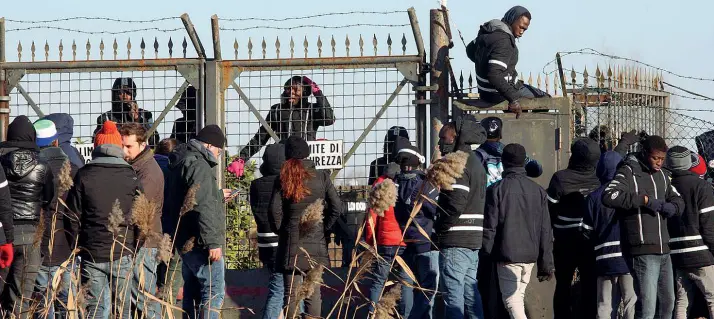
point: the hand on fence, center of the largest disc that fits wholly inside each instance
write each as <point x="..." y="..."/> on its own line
<point x="237" y="167"/>
<point x="515" y="107"/>
<point x="6" y="255"/>
<point x="312" y="84"/>
<point x="629" y="138"/>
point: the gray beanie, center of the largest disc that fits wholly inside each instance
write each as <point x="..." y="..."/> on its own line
<point x="679" y="158"/>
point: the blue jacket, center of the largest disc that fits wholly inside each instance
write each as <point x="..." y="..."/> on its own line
<point x="490" y="154"/>
<point x="408" y="186"/>
<point x="65" y="131"/>
<point x="600" y="223"/>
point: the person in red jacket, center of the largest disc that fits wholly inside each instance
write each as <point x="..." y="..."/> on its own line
<point x="382" y="231"/>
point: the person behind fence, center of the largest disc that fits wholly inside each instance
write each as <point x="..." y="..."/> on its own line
<point x="125" y="109"/>
<point x="32" y="189"/>
<point x="567" y="191"/>
<point x="56" y="247"/>
<point x="300" y="220"/>
<point x="517" y="231"/>
<point x="458" y="229"/>
<point x="139" y="156"/>
<point x="261" y="192"/>
<point x="65" y="132"/>
<point x="185" y="127"/>
<point x="490" y="152"/>
<point x="201" y="232"/>
<point x="102" y="196"/>
<point x="376" y="168"/>
<point x="419" y="256"/>
<point x="601" y="228"/>
<point x="294" y="115"/>
<point x="384" y="233"/>
<point x="169" y="281"/>
<point x="691" y="234"/>
<point x="495" y="54"/>
<point x="644" y="198"/>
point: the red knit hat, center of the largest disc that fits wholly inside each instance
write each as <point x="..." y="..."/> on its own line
<point x="699" y="166"/>
<point x="108" y="135"/>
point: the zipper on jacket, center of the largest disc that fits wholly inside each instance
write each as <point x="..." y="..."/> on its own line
<point x="639" y="210"/>
<point x="659" y="221"/>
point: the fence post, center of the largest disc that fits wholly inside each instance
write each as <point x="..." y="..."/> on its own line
<point x="215" y="104"/>
<point x="439" y="51"/>
<point x="4" y="94"/>
<point x="420" y="92"/>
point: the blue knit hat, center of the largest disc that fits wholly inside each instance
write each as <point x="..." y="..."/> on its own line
<point x="46" y="132"/>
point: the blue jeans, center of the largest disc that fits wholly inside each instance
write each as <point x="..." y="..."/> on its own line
<point x="458" y="267"/>
<point x="426" y="268"/>
<point x="274" y="302"/>
<point x="654" y="285"/>
<point x="381" y="273"/>
<point x="108" y="279"/>
<point x="44" y="288"/>
<point x="204" y="284"/>
<point x="145" y="266"/>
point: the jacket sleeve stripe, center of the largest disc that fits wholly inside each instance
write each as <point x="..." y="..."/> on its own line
<point x="708" y="209"/>
<point x="685" y="238"/>
<point x="480" y="79"/>
<point x="471" y="216"/>
<point x="688" y="250"/>
<point x="607" y="244"/>
<point x="267" y="235"/>
<point x="486" y="89"/>
<point x="267" y="245"/>
<point x="461" y="187"/>
<point x="3" y="184"/>
<point x="550" y="199"/>
<point x="570" y="219"/>
<point x="608" y="256"/>
<point x="459" y="228"/>
<point x="674" y="189"/>
<point x="504" y="65"/>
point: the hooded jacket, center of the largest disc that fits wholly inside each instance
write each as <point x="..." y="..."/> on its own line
<point x="569" y="187"/>
<point x="692" y="233"/>
<point x="287" y="215"/>
<point x="98" y="186"/>
<point x="65" y="131"/>
<point x="517" y="222"/>
<point x="490" y="152"/>
<point x="644" y="231"/>
<point x="192" y="164"/>
<point x="460" y="221"/>
<point x="408" y="185"/>
<point x="378" y="166"/>
<point x="495" y="54"/>
<point x="61" y="249"/>
<point x="31" y="180"/>
<point x="285" y="119"/>
<point x="152" y="181"/>
<point x="601" y="224"/>
<point x="261" y="193"/>
<point x="185" y="127"/>
<point x="120" y="112"/>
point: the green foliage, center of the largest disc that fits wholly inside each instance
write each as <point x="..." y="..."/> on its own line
<point x="241" y="250"/>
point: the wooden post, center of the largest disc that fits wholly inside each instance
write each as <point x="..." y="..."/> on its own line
<point x="439" y="51"/>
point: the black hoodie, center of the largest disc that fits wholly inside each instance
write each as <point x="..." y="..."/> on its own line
<point x="568" y="189"/>
<point x="459" y="221"/>
<point x="378" y="166"/>
<point x="120" y="112"/>
<point x="185" y="127"/>
<point x="261" y="192"/>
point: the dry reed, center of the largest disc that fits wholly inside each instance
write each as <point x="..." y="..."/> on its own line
<point x="444" y="172"/>
<point x="382" y="196"/>
<point x="190" y="200"/>
<point x="311" y="219"/>
<point x="165" y="250"/>
<point x="188" y="246"/>
<point x="65" y="178"/>
<point x="116" y="219"/>
<point x="388" y="302"/>
<point x="143" y="212"/>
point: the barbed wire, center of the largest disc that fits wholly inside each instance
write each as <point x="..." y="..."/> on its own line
<point x="319" y="15"/>
<point x="591" y="51"/>
<point x="47" y="27"/>
<point x="90" y="18"/>
<point x="315" y="26"/>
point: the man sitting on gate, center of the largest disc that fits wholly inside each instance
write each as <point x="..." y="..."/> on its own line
<point x="495" y="54"/>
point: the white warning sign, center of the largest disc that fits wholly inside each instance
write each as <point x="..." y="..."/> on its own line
<point x="326" y="154"/>
<point x="86" y="151"/>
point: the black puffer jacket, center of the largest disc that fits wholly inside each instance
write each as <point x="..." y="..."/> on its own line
<point x="287" y="220"/>
<point x="97" y="186"/>
<point x="61" y="250"/>
<point x="459" y="223"/>
<point x="495" y="54"/>
<point x="569" y="187"/>
<point x="644" y="231"/>
<point x="31" y="183"/>
<point x="261" y="193"/>
<point x="692" y="233"/>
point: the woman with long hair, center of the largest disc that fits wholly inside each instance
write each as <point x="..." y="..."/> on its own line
<point x="304" y="205"/>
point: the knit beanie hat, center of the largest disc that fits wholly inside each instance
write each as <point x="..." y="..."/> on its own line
<point x="212" y="134"/>
<point x="699" y="166"/>
<point x="46" y="132"/>
<point x="493" y="127"/>
<point x="679" y="158"/>
<point x="296" y="148"/>
<point x="407" y="154"/>
<point x="108" y="135"/>
<point x="514" y="155"/>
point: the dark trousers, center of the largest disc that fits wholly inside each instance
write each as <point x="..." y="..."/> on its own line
<point x="571" y="255"/>
<point x="20" y="280"/>
<point x="313" y="304"/>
